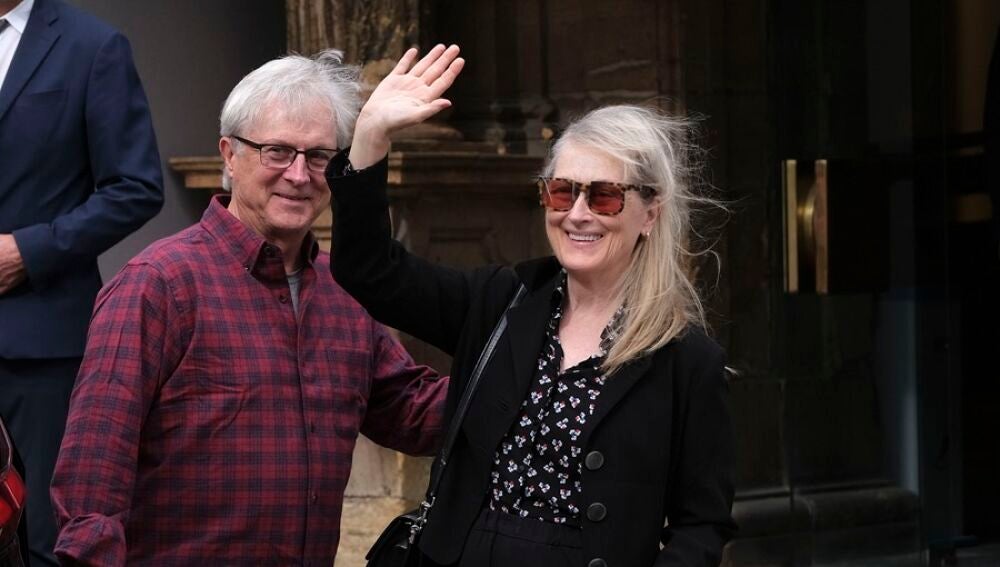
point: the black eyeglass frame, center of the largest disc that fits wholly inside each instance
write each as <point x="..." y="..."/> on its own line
<point x="295" y="154"/>
<point x="577" y="187"/>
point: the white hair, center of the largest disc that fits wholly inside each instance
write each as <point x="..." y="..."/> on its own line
<point x="296" y="83"/>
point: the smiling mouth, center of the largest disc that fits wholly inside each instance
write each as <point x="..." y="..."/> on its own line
<point x="584" y="237"/>
<point x="291" y="197"/>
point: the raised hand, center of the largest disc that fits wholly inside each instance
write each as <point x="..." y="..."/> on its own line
<point x="410" y="94"/>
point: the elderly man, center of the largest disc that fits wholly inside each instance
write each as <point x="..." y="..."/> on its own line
<point x="227" y="375"/>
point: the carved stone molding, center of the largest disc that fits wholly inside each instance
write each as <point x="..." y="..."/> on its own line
<point x="199" y="172"/>
<point x="449" y="171"/>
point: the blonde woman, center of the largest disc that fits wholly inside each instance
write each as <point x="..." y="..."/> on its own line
<point x="599" y="434"/>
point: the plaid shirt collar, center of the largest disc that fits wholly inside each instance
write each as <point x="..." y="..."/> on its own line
<point x="256" y="255"/>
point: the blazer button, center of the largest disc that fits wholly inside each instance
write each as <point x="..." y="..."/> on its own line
<point x="594" y="460"/>
<point x="596" y="512"/>
<point x="598" y="562"/>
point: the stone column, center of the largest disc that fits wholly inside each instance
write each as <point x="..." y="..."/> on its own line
<point x="371" y="33"/>
<point x="367" y="31"/>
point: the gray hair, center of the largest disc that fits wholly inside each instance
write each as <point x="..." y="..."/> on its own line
<point x="658" y="289"/>
<point x="295" y="82"/>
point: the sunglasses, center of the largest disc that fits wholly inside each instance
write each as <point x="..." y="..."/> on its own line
<point x="603" y="197"/>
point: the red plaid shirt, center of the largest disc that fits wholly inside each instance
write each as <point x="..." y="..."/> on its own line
<point x="210" y="424"/>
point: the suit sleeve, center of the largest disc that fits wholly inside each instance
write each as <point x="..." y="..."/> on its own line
<point x="125" y="165"/>
<point x="399" y="289"/>
<point x="700" y="497"/>
<point x="133" y="345"/>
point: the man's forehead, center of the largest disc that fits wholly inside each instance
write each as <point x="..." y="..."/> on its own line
<point x="277" y="119"/>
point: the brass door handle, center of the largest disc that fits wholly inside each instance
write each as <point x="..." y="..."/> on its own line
<point x="836" y="221"/>
<point x="806" y="235"/>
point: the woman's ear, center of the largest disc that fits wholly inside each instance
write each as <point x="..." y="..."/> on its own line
<point x="652" y="214"/>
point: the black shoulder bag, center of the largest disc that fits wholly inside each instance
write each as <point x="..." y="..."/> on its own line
<point x="397" y="544"/>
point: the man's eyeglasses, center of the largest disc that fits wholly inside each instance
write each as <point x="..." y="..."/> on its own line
<point x="277" y="156"/>
<point x="603" y="197"/>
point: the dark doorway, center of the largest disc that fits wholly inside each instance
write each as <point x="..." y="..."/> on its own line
<point x="975" y="274"/>
<point x="886" y="337"/>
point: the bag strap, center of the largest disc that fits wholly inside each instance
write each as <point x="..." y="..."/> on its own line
<point x="463" y="405"/>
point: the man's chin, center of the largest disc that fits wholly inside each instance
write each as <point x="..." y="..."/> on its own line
<point x="293" y="220"/>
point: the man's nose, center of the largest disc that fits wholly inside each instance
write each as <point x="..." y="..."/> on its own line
<point x="298" y="171"/>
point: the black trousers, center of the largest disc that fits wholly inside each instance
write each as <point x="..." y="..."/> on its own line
<point x="503" y="540"/>
<point x="34" y="402"/>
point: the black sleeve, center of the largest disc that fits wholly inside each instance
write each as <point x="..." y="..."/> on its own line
<point x="399" y="289"/>
<point x="700" y="498"/>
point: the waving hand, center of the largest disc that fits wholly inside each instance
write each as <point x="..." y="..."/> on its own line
<point x="410" y="94"/>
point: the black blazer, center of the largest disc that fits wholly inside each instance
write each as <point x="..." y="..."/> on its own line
<point x="79" y="171"/>
<point x="661" y="447"/>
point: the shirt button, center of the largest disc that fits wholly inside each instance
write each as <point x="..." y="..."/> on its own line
<point x="283" y="298"/>
<point x="596" y="512"/>
<point x="314" y="497"/>
<point x="594" y="460"/>
<point x="598" y="562"/>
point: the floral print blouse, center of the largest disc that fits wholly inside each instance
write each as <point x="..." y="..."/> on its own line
<point x="537" y="466"/>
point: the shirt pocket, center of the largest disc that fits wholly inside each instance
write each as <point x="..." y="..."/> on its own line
<point x="219" y="379"/>
<point x="345" y="367"/>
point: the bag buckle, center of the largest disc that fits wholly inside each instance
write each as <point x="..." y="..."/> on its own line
<point x="418" y="524"/>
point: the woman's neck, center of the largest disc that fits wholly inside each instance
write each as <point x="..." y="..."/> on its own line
<point x="586" y="312"/>
<point x="591" y="296"/>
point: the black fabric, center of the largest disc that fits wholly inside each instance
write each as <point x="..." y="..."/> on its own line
<point x="662" y="423"/>
<point x="991" y="131"/>
<point x="502" y="540"/>
<point x="34" y="403"/>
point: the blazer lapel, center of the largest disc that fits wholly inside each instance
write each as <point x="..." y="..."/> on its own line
<point x="526" y="325"/>
<point x="526" y="322"/>
<point x="617" y="386"/>
<point x="39" y="37"/>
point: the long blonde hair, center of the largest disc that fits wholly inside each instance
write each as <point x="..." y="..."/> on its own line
<point x="658" y="288"/>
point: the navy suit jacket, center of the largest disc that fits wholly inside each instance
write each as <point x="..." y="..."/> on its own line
<point x="79" y="171"/>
